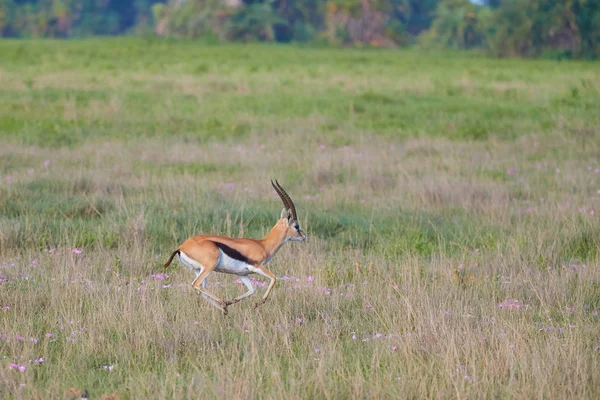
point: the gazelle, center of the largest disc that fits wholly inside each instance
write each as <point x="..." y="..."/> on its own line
<point x="204" y="254"/>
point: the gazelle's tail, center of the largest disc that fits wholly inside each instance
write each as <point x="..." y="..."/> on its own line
<point x="171" y="258"/>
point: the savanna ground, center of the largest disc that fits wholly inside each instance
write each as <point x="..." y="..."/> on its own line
<point x="451" y="204"/>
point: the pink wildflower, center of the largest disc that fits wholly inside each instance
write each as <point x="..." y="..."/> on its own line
<point x="310" y="278"/>
<point x="511" y="305"/>
<point x="46" y="163"/>
<point x="511" y="171"/>
<point x="48" y="335"/>
<point x="257" y="283"/>
<point x="394" y="348"/>
<point x="19" y="367"/>
<point x="159" y="277"/>
<point x="298" y="320"/>
<point x="77" y="251"/>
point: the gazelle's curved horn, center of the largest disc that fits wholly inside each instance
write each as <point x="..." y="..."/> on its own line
<point x="286" y="199"/>
<point x="281" y="196"/>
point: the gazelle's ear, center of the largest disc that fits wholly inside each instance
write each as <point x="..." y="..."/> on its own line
<point x="284" y="213"/>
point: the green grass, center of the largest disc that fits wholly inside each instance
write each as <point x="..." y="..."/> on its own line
<point x="64" y="93"/>
<point x="433" y="187"/>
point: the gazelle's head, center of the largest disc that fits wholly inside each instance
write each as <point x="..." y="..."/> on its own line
<point x="289" y="218"/>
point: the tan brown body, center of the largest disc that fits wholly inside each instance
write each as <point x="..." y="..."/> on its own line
<point x="204" y="254"/>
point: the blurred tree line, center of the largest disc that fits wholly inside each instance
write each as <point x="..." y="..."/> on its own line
<point x="530" y="28"/>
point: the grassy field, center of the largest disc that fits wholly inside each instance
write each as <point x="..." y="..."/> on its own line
<point x="451" y="204"/>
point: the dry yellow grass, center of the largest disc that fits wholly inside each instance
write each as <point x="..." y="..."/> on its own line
<point x="382" y="322"/>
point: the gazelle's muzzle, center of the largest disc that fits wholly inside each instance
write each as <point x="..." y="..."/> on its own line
<point x="301" y="238"/>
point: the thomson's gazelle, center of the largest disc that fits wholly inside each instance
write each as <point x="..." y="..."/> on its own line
<point x="204" y="254"/>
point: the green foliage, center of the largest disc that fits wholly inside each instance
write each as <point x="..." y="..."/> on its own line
<point x="458" y="24"/>
<point x="189" y="19"/>
<point x="543" y="27"/>
<point x="256" y="21"/>
<point x="304" y="19"/>
<point x="568" y="29"/>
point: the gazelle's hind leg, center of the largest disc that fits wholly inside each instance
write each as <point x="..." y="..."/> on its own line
<point x="203" y="257"/>
<point x="212" y="299"/>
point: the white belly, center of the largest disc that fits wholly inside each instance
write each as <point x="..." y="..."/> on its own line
<point x="230" y="265"/>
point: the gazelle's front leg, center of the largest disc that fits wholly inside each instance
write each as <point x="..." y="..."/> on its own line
<point x="246" y="281"/>
<point x="259" y="269"/>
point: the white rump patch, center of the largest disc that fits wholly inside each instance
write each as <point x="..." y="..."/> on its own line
<point x="190" y="263"/>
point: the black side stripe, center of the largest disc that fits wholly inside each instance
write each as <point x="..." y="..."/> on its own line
<point x="233" y="253"/>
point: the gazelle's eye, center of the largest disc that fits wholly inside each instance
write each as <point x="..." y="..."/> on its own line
<point x="296" y="227"/>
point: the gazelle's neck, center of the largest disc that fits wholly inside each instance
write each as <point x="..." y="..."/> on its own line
<point x="274" y="240"/>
